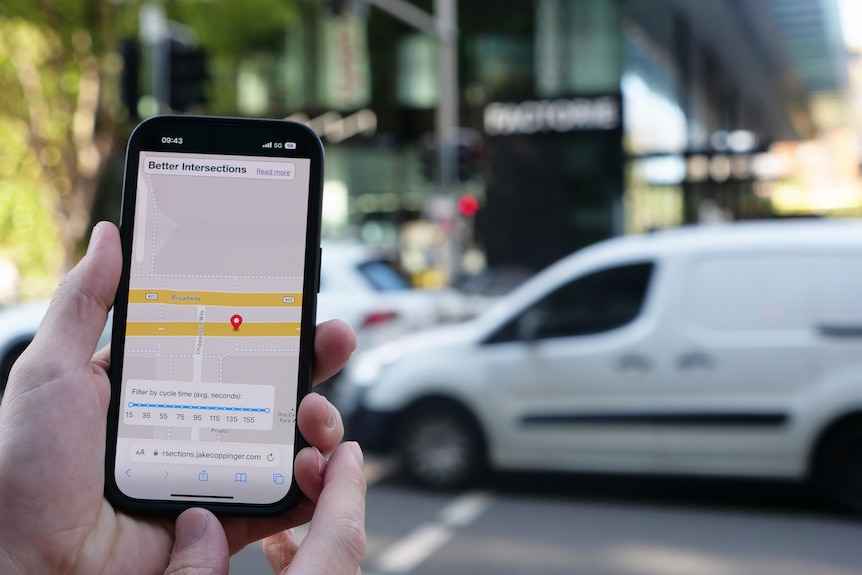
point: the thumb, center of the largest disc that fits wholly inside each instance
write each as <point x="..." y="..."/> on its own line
<point x="70" y="329"/>
<point x="200" y="545"/>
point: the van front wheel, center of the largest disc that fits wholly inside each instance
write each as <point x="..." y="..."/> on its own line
<point x="440" y="446"/>
<point x="839" y="469"/>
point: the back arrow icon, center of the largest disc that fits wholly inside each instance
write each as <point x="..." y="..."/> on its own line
<point x="127" y="472"/>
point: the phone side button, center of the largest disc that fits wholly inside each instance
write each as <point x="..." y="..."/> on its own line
<point x="319" y="266"/>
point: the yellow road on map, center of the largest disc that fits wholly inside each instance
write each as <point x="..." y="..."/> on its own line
<point x="226" y="299"/>
<point x="217" y="329"/>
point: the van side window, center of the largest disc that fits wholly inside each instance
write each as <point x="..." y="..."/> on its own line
<point x="594" y="303"/>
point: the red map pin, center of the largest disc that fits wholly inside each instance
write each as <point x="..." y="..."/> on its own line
<point x="236" y="321"/>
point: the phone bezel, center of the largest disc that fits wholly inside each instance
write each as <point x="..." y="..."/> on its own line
<point x="216" y="135"/>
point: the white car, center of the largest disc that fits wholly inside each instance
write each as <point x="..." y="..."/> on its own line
<point x="729" y="351"/>
<point x="363" y="289"/>
<point x="356" y="286"/>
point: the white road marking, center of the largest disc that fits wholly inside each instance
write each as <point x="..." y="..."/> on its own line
<point x="465" y="509"/>
<point x="406" y="554"/>
<point x="412" y="550"/>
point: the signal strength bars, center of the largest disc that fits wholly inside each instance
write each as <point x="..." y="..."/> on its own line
<point x="267" y="145"/>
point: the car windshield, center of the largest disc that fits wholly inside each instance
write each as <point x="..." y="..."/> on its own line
<point x="383" y="276"/>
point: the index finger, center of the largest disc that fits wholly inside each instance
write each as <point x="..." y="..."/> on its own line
<point x="334" y="341"/>
<point x="337" y="531"/>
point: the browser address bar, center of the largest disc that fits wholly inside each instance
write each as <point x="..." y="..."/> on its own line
<point x="219" y="168"/>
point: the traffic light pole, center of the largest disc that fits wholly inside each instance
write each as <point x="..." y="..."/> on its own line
<point x="153" y="31"/>
<point x="175" y="64"/>
<point x="443" y="26"/>
<point x="447" y="107"/>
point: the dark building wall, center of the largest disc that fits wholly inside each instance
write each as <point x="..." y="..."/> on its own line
<point x="553" y="188"/>
<point x="549" y="195"/>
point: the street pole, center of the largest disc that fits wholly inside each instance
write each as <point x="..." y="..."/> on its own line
<point x="447" y="122"/>
<point x="153" y="32"/>
<point x="443" y="26"/>
<point x="447" y="105"/>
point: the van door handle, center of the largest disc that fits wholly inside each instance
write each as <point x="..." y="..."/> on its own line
<point x="633" y="364"/>
<point x="695" y="360"/>
<point x="850" y="330"/>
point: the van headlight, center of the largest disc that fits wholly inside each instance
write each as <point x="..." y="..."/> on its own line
<point x="369" y="366"/>
<point x="362" y="372"/>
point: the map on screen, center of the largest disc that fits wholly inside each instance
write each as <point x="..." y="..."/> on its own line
<point x="214" y="312"/>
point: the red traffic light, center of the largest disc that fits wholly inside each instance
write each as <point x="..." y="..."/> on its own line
<point x="468" y="205"/>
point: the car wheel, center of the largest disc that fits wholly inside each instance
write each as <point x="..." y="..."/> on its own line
<point x="839" y="469"/>
<point x="441" y="446"/>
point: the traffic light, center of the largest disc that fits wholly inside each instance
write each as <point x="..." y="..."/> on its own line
<point x="469" y="155"/>
<point x="429" y="157"/>
<point x="334" y="7"/>
<point x="468" y="205"/>
<point x="466" y="155"/>
<point x="130" y="88"/>
<point x="188" y="74"/>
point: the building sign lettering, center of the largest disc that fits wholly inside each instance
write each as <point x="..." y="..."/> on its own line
<point x="571" y="115"/>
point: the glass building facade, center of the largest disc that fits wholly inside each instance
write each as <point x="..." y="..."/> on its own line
<point x="579" y="120"/>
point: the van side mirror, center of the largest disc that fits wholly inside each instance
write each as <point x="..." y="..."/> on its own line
<point x="530" y="324"/>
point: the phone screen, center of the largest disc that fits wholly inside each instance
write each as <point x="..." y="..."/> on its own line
<point x="213" y="356"/>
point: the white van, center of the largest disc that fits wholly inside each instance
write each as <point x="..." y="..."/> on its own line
<point x="733" y="350"/>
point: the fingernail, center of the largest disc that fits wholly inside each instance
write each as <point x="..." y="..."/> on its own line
<point x="330" y="423"/>
<point x="190" y="528"/>
<point x="97" y="230"/>
<point x="321" y="462"/>
<point x="356" y="451"/>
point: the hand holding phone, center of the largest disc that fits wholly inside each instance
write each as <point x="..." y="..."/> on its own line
<point x="52" y="454"/>
<point x="214" y="316"/>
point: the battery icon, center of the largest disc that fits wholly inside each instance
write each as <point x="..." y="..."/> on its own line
<point x="290" y="145"/>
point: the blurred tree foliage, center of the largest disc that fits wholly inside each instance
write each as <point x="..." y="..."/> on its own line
<point x="28" y="236"/>
<point x="231" y="28"/>
<point x="56" y="128"/>
<point x="60" y="114"/>
<point x="232" y="32"/>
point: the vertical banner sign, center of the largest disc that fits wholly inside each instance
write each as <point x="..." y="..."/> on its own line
<point x="418" y="76"/>
<point x="345" y="77"/>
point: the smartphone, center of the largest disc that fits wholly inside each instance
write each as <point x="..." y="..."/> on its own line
<point x="213" y="325"/>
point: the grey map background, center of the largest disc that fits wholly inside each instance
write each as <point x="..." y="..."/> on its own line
<point x="223" y="234"/>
